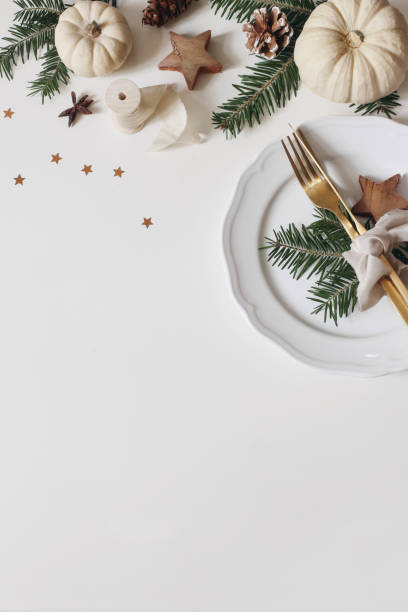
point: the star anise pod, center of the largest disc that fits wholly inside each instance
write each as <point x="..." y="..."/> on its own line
<point x="80" y="106"/>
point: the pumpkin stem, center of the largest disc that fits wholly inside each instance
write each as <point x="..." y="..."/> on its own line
<point x="355" y="39"/>
<point x="94" y="29"/>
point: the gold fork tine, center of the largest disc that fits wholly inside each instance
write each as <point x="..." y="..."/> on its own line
<point x="311" y="168"/>
<point x="300" y="163"/>
<point x="304" y="145"/>
<point x="294" y="167"/>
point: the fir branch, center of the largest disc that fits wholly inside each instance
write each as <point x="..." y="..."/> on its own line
<point x="38" y="10"/>
<point x="23" y="40"/>
<point x="328" y="226"/>
<point x="303" y="251"/>
<point x="385" y="106"/>
<point x="318" y="250"/>
<point x="268" y="86"/>
<point x="53" y="75"/>
<point x="242" y="10"/>
<point x="335" y="295"/>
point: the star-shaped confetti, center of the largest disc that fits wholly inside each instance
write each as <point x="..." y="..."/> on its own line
<point x="379" y="198"/>
<point x="87" y="169"/>
<point x="56" y="158"/>
<point x="8" y="114"/>
<point x="19" y="180"/>
<point x="147" y="222"/>
<point x="118" y="172"/>
<point x="190" y="57"/>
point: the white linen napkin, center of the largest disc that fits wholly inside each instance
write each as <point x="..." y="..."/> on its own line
<point x="364" y="256"/>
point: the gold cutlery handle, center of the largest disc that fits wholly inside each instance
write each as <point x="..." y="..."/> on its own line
<point x="395" y="297"/>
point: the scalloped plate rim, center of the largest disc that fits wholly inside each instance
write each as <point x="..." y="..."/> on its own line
<point x="387" y="365"/>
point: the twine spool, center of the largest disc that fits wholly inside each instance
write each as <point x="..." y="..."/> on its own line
<point x="123" y="98"/>
<point x="132" y="106"/>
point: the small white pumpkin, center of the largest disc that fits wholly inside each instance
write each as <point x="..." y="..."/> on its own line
<point x="353" y="50"/>
<point x="93" y="38"/>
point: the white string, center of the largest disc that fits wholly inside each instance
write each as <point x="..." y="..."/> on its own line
<point x="132" y="107"/>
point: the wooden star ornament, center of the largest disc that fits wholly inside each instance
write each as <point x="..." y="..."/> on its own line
<point x="379" y="198"/>
<point x="190" y="57"/>
<point x="147" y="222"/>
<point x="8" y="114"/>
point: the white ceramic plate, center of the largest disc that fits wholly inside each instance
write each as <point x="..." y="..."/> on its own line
<point x="268" y="195"/>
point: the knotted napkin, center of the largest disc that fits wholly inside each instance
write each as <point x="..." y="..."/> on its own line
<point x="364" y="256"/>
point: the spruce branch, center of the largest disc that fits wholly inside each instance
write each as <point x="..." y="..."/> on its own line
<point x="23" y="40"/>
<point x="268" y="86"/>
<point x="328" y="227"/>
<point x="242" y="10"/>
<point x="303" y="252"/>
<point x="335" y="295"/>
<point x="386" y="105"/>
<point x="317" y="250"/>
<point x="53" y="75"/>
<point x="38" y="10"/>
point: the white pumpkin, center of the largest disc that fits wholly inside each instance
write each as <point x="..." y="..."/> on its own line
<point x="93" y="38"/>
<point x="353" y="50"/>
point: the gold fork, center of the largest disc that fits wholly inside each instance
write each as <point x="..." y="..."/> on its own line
<point x="322" y="195"/>
<point x="304" y="144"/>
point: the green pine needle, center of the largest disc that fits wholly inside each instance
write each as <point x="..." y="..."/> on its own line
<point x="327" y="225"/>
<point x="53" y="75"/>
<point x="335" y="295"/>
<point x="303" y="251"/>
<point x="384" y="106"/>
<point x="317" y="250"/>
<point x="268" y="86"/>
<point x="242" y="10"/>
<point x="38" y="10"/>
<point x="23" y="40"/>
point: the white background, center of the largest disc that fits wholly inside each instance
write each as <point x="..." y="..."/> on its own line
<point x="156" y="453"/>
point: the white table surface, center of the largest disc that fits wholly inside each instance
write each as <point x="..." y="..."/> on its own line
<point x="157" y="454"/>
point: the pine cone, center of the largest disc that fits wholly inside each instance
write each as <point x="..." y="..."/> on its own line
<point x="268" y="32"/>
<point x="159" y="12"/>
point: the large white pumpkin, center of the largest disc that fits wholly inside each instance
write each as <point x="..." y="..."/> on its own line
<point x="93" y="38"/>
<point x="353" y="50"/>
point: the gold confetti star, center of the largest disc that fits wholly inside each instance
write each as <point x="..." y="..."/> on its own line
<point x="118" y="172"/>
<point x="147" y="222"/>
<point x="56" y="158"/>
<point x="8" y="114"/>
<point x="19" y="180"/>
<point x="87" y="169"/>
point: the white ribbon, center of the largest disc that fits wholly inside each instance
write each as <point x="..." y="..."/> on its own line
<point x="132" y="107"/>
<point x="364" y="256"/>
